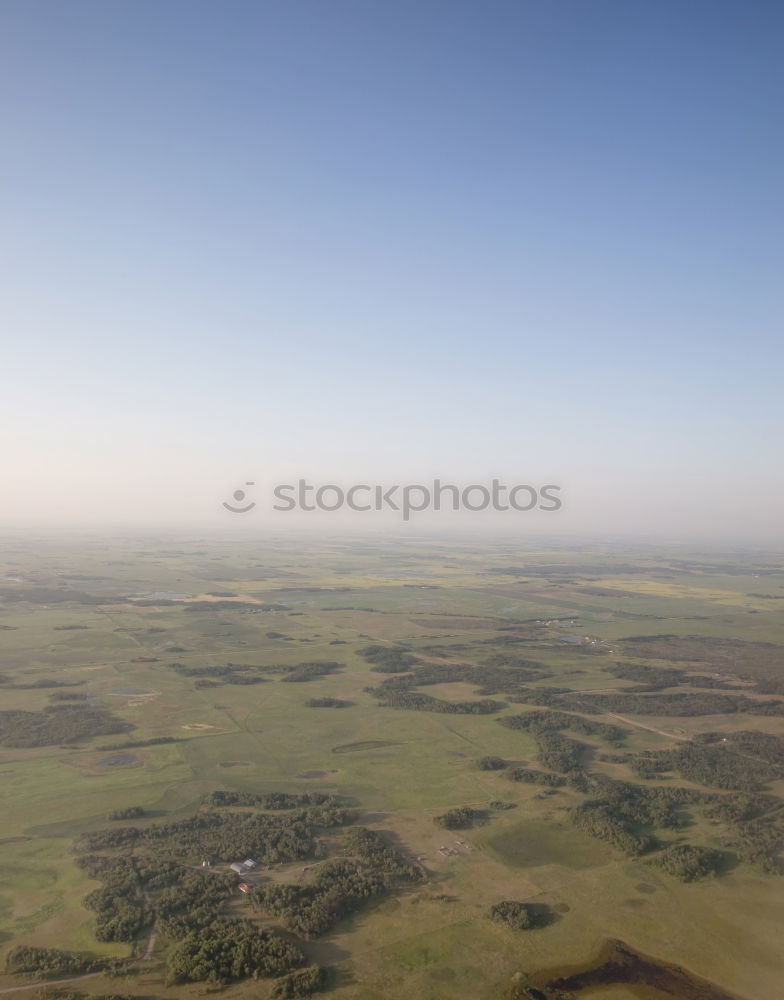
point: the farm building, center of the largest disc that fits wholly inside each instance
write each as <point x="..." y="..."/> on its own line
<point x="241" y="867"/>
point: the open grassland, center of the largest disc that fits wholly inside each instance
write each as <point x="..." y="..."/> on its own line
<point x="199" y="644"/>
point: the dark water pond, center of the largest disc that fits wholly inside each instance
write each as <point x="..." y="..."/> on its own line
<point x="618" y="963"/>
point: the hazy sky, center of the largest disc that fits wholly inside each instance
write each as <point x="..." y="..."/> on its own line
<point x="386" y="241"/>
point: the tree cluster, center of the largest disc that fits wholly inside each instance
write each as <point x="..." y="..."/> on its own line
<point x="119" y="904"/>
<point x="718" y="765"/>
<point x="226" y="835"/>
<point x="56" y="724"/>
<point x="228" y="605"/>
<point x="623" y="814"/>
<point x="649" y="678"/>
<point x="556" y="751"/>
<point x="229" y="950"/>
<point x="499" y="675"/>
<point x="339" y="887"/>
<point x="679" y="704"/>
<point x="311" y="671"/>
<point x="459" y="818"/>
<point x="764" y="746"/>
<point x="688" y="863"/>
<point x="401" y="695"/>
<point x="682" y="704"/>
<point x="49" y="961"/>
<point x="43" y="683"/>
<point x="189" y="900"/>
<point x="300" y="983"/>
<point x="535" y="777"/>
<point x="491" y="763"/>
<point x="519" y="916"/>
<point x="558" y="721"/>
<point x="388" y="659"/>
<point x="737" y="807"/>
<point x="129" y="812"/>
<point x="741" y="658"/>
<point x="212" y="675"/>
<point x="418" y="702"/>
<point x="760" y="843"/>
<point x="55" y="595"/>
<point x="599" y="820"/>
<point x="656" y="678"/>
<point x="270" y="800"/>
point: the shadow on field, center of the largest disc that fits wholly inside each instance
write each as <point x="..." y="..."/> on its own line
<point x="328" y="954"/>
<point x="543" y="914"/>
<point x="368" y="818"/>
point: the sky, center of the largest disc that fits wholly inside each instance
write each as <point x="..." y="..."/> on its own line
<point x="387" y="242"/>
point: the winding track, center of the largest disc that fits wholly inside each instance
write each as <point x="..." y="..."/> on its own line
<point x="146" y="957"/>
<point x="641" y="725"/>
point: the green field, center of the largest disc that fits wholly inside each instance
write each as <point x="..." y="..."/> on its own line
<point x="89" y="614"/>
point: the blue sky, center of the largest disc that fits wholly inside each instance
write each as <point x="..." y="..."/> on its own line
<point x="540" y="240"/>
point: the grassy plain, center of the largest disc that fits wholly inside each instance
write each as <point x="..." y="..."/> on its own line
<point x="447" y="602"/>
